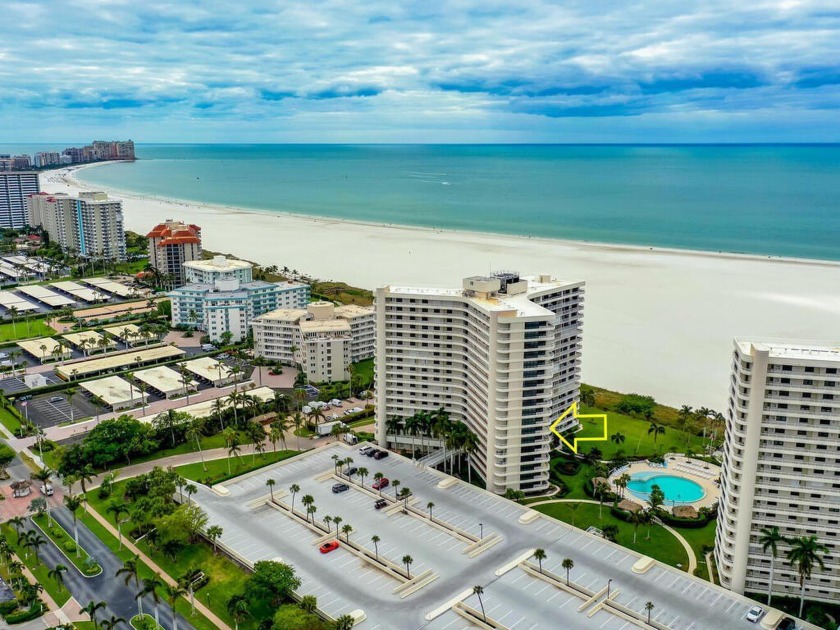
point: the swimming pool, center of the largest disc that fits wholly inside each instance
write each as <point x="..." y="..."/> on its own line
<point x="676" y="489"/>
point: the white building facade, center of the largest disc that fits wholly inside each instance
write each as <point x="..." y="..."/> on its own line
<point x="502" y="354"/>
<point x="217" y="268"/>
<point x="15" y="188"/>
<point x="322" y="338"/>
<point x="781" y="465"/>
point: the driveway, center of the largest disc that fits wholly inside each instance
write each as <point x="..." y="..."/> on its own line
<point x="105" y="587"/>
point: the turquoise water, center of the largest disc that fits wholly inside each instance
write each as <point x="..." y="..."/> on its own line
<point x="764" y="199"/>
<point x="676" y="489"/>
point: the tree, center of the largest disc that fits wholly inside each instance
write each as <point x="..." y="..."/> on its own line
<point x="769" y="538"/>
<point x="479" y="591"/>
<point x="396" y="484"/>
<point x="231" y="437"/>
<point x="375" y="540"/>
<point x="150" y="587"/>
<point x="378" y="477"/>
<point x="91" y="610"/>
<point x="804" y="556"/>
<point x="429" y="506"/>
<point x="574" y="507"/>
<point x="294" y="489"/>
<point x="657" y="430"/>
<point x="347" y="530"/>
<point x="273" y="580"/>
<point x="130" y="572"/>
<point x="308" y="501"/>
<point x="309" y="603"/>
<point x="57" y="574"/>
<point x="655" y="500"/>
<point x="73" y="503"/>
<point x="407" y="561"/>
<point x="649" y="607"/>
<point x="601" y="489"/>
<point x="345" y="622"/>
<point x="363" y="472"/>
<point x="113" y="622"/>
<point x="636" y="517"/>
<point x="118" y="508"/>
<point x="237" y="607"/>
<point x="271" y="483"/>
<point x="172" y="594"/>
<point x="539" y="554"/>
<point x="617" y="438"/>
<point x="195" y="433"/>
<point x="35" y="541"/>
<point x="214" y="532"/>
<point x="568" y="564"/>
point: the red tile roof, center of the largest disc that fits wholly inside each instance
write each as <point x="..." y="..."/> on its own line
<point x="179" y="235"/>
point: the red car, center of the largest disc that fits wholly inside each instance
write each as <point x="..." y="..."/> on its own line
<point x="380" y="483"/>
<point x="331" y="545"/>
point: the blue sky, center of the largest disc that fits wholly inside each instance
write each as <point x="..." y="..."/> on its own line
<point x="420" y="71"/>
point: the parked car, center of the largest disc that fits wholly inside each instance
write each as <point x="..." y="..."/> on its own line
<point x="380" y="503"/>
<point x="786" y="624"/>
<point x="340" y="487"/>
<point x="351" y="471"/>
<point x="46" y="489"/>
<point x="55" y="399"/>
<point x="754" y="613"/>
<point x="365" y="450"/>
<point x="328" y="546"/>
<point x="380" y="483"/>
<point x="380" y="455"/>
<point x="371" y="452"/>
<point x="4" y="355"/>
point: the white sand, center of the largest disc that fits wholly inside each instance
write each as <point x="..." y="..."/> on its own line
<point x="659" y="322"/>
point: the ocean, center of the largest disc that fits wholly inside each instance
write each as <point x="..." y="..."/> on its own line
<point x="775" y="200"/>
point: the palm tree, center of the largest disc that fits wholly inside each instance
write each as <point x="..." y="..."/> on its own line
<point x="375" y="540"/>
<point x="601" y="489"/>
<point x="377" y="477"/>
<point x="294" y="489"/>
<point x="636" y="517"/>
<point x="657" y="430"/>
<point x="539" y="554"/>
<point x="345" y="622"/>
<point x="190" y="489"/>
<point x="237" y="607"/>
<point x="213" y="533"/>
<point x="769" y="538"/>
<point x="649" y="607"/>
<point x="337" y="520"/>
<point x="73" y="504"/>
<point x="35" y="541"/>
<point x="804" y="555"/>
<point x="57" y="574"/>
<point x="17" y="522"/>
<point x="396" y="484"/>
<point x="271" y="483"/>
<point x="91" y="609"/>
<point x="297" y="420"/>
<point x="232" y="443"/>
<point x="568" y="564"/>
<point x="429" y="506"/>
<point x="617" y="438"/>
<point x="407" y="561"/>
<point x="118" y="508"/>
<point x="479" y="591"/>
<point x="150" y="587"/>
<point x="194" y="433"/>
<point x="172" y="594"/>
<point x="217" y="409"/>
<point x="308" y="501"/>
<point x="113" y="622"/>
<point x="363" y="472"/>
<point x="346" y="530"/>
<point x="130" y="571"/>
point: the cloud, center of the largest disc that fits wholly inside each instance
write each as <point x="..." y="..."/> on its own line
<point x="484" y="69"/>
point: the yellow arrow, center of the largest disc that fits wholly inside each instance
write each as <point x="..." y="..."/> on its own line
<point x="574" y="411"/>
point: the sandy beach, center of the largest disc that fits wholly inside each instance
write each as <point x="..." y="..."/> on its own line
<point x="658" y="322"/>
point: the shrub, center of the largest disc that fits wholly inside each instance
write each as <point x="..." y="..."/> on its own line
<point x="635" y="404"/>
<point x="8" y="607"/>
<point x="69" y="546"/>
<point x="34" y="611"/>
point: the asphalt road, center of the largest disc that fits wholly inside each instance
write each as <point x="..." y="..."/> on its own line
<point x="119" y="599"/>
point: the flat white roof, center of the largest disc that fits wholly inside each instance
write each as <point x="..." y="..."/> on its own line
<point x="89" y="336"/>
<point x="9" y="300"/>
<point x="205" y="409"/>
<point x="113" y="390"/>
<point x="110" y="286"/>
<point x="163" y="379"/>
<point x="33" y="347"/>
<point x="118" y="361"/>
<point x="218" y="263"/>
<point x="77" y="290"/>
<point x="208" y="368"/>
<point x="119" y="331"/>
<point x="46" y="296"/>
<point x="812" y="350"/>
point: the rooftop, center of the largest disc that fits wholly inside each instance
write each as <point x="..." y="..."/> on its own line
<point x="282" y="315"/>
<point x="794" y="349"/>
<point x="325" y="325"/>
<point x="219" y="264"/>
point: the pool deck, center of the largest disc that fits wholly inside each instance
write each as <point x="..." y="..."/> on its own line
<point x="700" y="472"/>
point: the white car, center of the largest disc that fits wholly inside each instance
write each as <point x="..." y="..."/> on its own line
<point x="754" y="614"/>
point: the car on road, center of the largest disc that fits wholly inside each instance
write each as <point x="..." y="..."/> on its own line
<point x="380" y="503"/>
<point x="328" y="546"/>
<point x="380" y="483"/>
<point x="46" y="489"/>
<point x="786" y="624"/>
<point x="380" y="455"/>
<point x="351" y="471"/>
<point x="340" y="487"/>
<point x="56" y="399"/>
<point x="754" y="613"/>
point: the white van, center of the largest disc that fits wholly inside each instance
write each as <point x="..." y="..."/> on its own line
<point x="47" y="490"/>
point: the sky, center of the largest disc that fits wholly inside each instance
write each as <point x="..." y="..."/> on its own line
<point x="420" y="71"/>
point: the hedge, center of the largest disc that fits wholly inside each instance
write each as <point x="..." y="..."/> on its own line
<point x="8" y="607"/>
<point x="589" y="489"/>
<point x="667" y="518"/>
<point x="35" y="610"/>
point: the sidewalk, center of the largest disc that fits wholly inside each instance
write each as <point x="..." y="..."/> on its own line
<point x="209" y="614"/>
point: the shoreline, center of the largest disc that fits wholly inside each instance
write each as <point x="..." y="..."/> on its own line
<point x="125" y="193"/>
<point x="657" y="321"/>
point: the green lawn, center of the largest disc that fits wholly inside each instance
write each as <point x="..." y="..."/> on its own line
<point x="10" y="420"/>
<point x="21" y="329"/>
<point x="576" y="482"/>
<point x="217" y="470"/>
<point x="662" y="545"/>
<point x="637" y="440"/>
<point x="40" y="571"/>
<point x="697" y="538"/>
<point x="363" y="370"/>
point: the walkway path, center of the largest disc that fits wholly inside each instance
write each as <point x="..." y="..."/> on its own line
<point x="692" y="558"/>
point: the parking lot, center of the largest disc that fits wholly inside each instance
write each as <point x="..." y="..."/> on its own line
<point x="49" y="410"/>
<point x="343" y="582"/>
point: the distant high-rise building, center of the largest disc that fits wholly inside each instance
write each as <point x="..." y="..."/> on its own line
<point x="90" y="225"/>
<point x="15" y="188"/>
<point x="781" y="466"/>
<point x="171" y="244"/>
<point x="501" y="354"/>
<point x="47" y="158"/>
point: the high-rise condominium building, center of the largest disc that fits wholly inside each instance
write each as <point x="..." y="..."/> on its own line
<point x="502" y="354"/>
<point x="171" y="244"/>
<point x="324" y="339"/>
<point x="781" y="465"/>
<point x="15" y="188"/>
<point x="90" y="224"/>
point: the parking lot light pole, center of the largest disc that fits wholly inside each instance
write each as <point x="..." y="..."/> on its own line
<point x="481" y="530"/>
<point x="608" y="588"/>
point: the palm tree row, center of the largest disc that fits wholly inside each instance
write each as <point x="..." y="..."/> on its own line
<point x="804" y="555"/>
